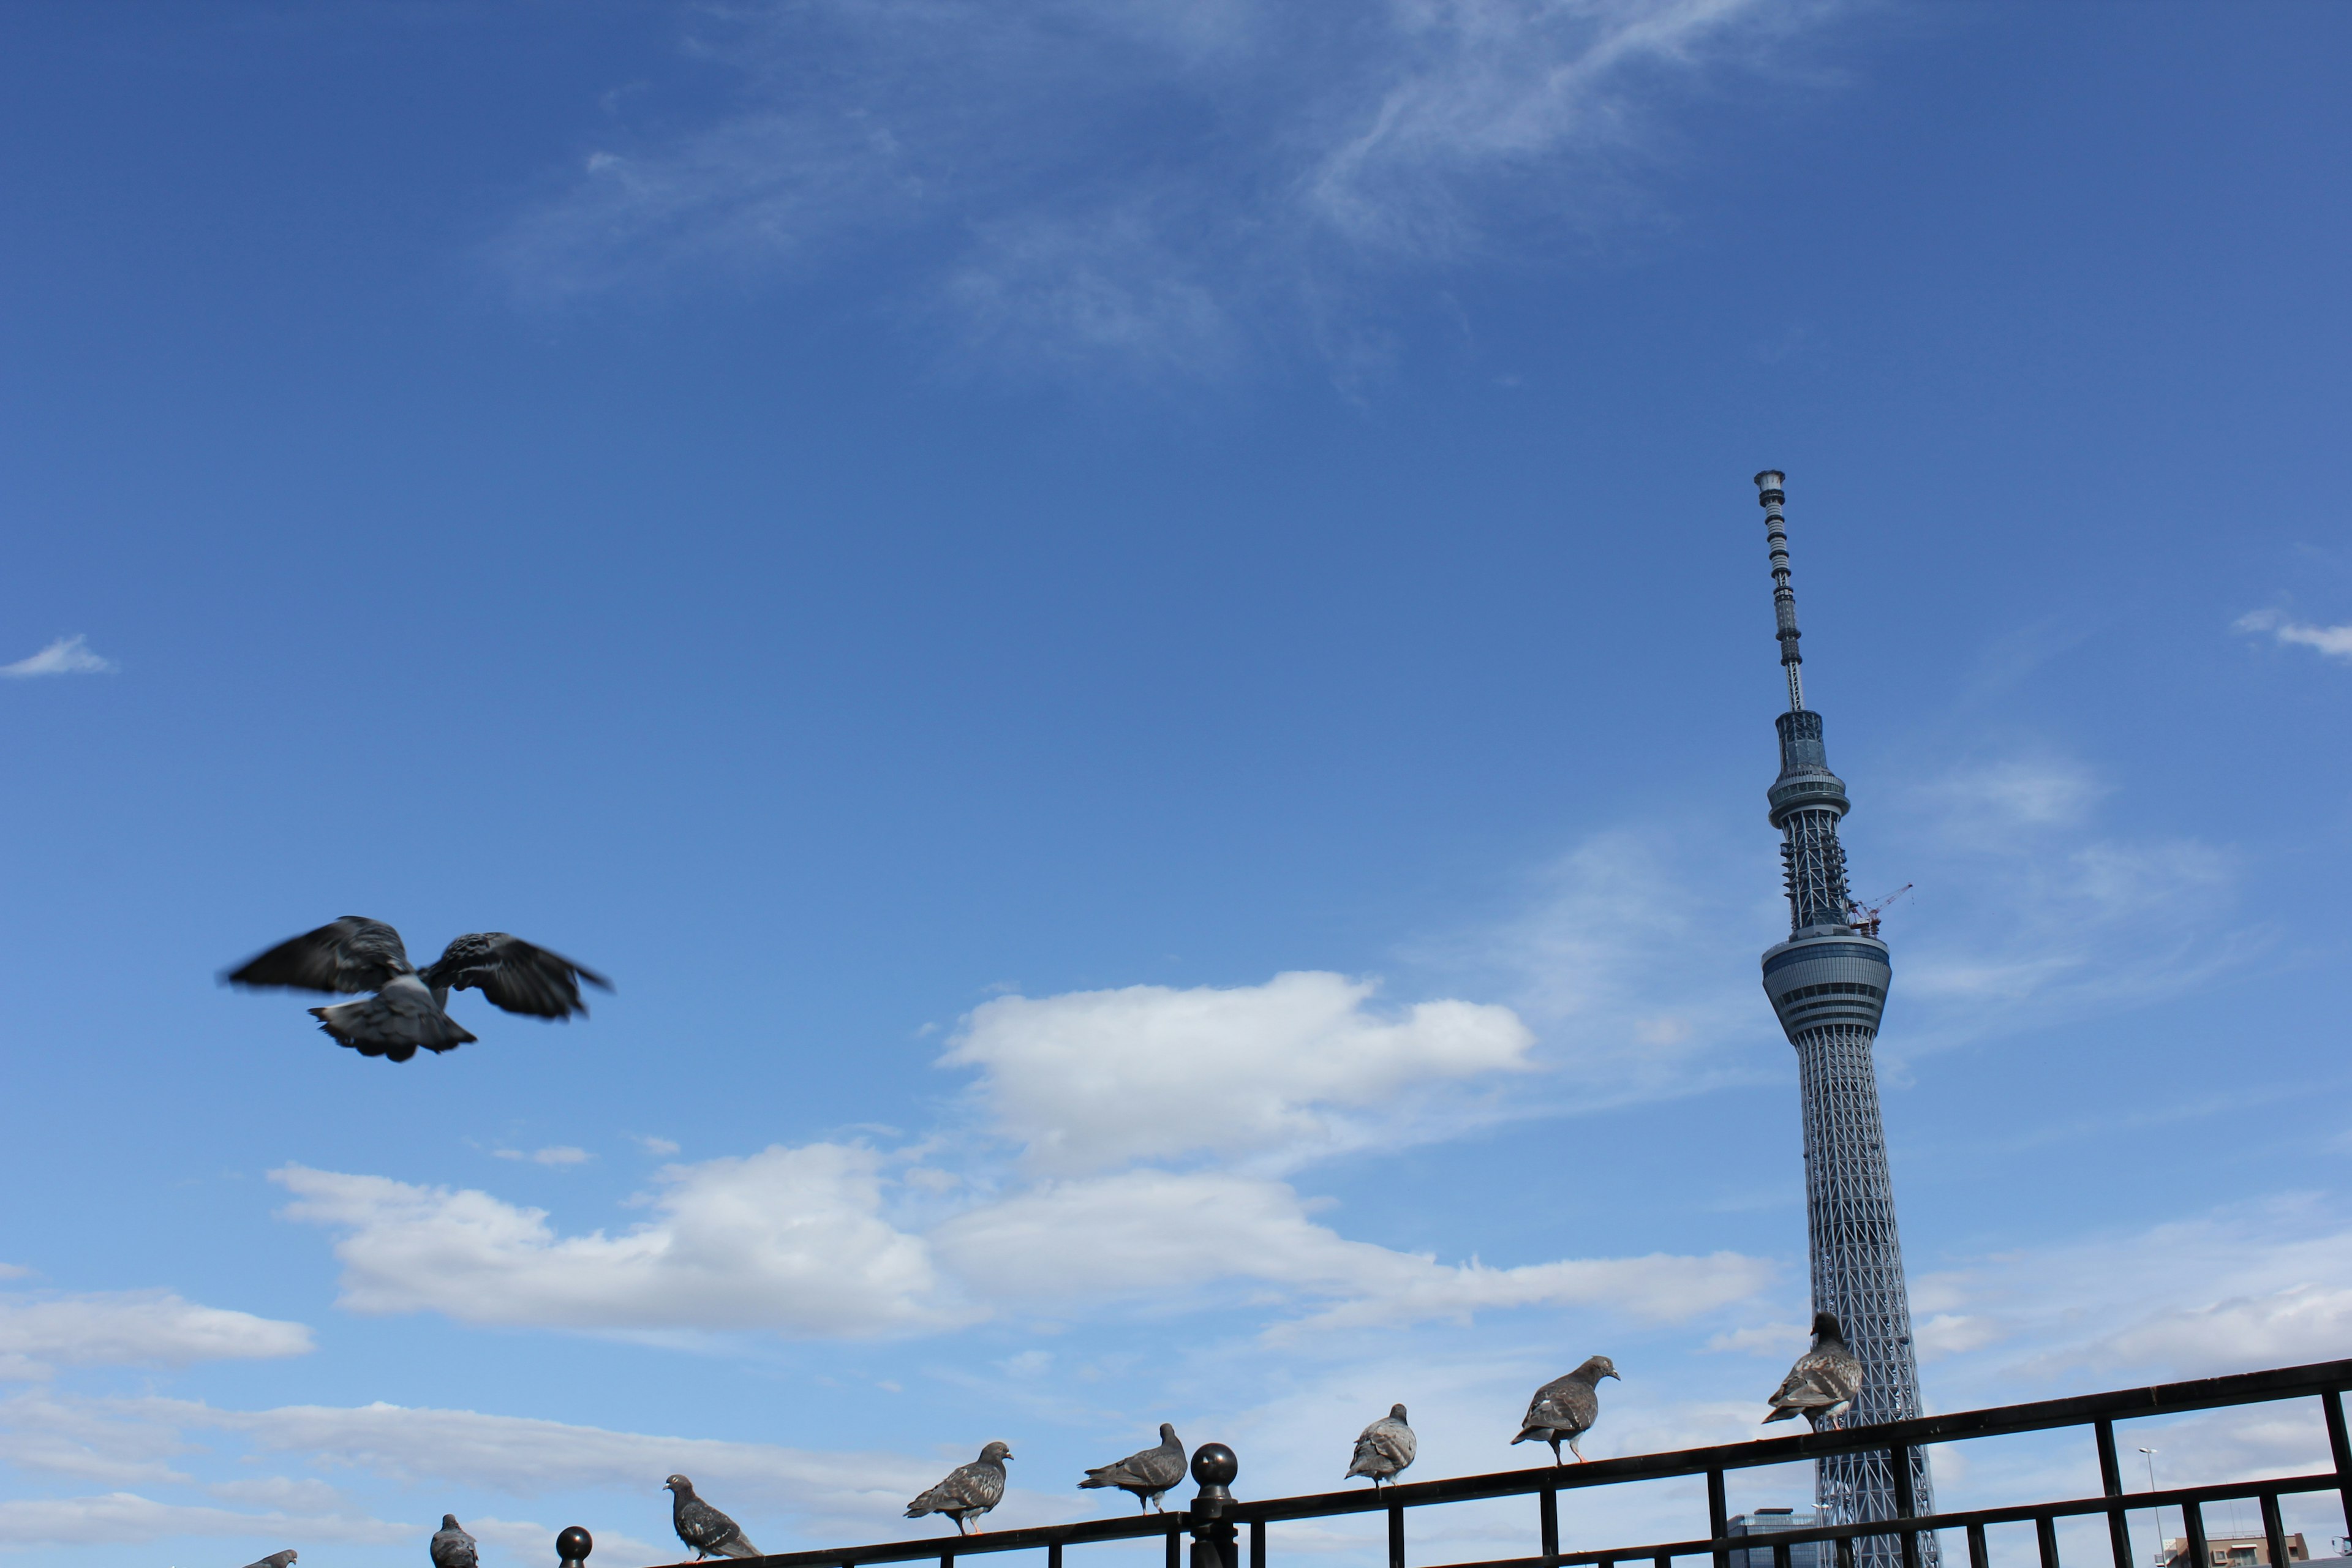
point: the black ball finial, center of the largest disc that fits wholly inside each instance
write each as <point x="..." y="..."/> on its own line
<point x="573" y="1546"/>
<point x="1213" y="1465"/>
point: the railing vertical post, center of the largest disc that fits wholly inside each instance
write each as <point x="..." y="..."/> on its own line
<point x="1215" y="1541"/>
<point x="1396" y="1535"/>
<point x="1547" y="1519"/>
<point x="1176" y="1544"/>
<point x="2045" y="1536"/>
<point x="2340" y="1445"/>
<point x="1719" y="1518"/>
<point x="2111" y="1483"/>
<point x="1780" y="1555"/>
<point x="2274" y="1532"/>
<point x="1054" y="1555"/>
<point x="1898" y="1462"/>
<point x="1257" y="1544"/>
<point x="2192" y="1529"/>
<point x="947" y="1557"/>
<point x="1845" y="1552"/>
<point x="1979" y="1556"/>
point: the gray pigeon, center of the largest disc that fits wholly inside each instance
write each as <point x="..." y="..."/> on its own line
<point x="275" y="1560"/>
<point x="1565" y="1408"/>
<point x="1825" y="1378"/>
<point x="703" y="1527"/>
<point x="452" y="1547"/>
<point x="409" y="1010"/>
<point x="968" y="1492"/>
<point x="1148" y="1475"/>
<point x="1384" y="1448"/>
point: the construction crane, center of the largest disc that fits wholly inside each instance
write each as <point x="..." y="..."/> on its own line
<point x="1864" y="918"/>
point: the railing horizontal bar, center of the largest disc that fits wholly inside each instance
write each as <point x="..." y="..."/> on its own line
<point x="1030" y="1538"/>
<point x="2021" y="1514"/>
<point x="2202" y="1394"/>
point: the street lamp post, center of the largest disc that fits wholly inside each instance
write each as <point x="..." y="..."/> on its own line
<point x="2157" y="1514"/>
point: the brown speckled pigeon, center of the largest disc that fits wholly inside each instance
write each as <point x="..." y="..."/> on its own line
<point x="968" y="1490"/>
<point x="1565" y="1408"/>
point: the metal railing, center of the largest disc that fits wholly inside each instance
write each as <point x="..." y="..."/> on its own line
<point x="1216" y="1518"/>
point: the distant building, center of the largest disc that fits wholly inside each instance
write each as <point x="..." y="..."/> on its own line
<point x="1766" y="1521"/>
<point x="2226" y="1552"/>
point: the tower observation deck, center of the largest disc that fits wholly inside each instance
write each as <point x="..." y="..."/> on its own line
<point x="1828" y="985"/>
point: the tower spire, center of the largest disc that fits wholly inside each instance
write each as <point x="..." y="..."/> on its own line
<point x="1784" y="597"/>
<point x="1828" y="986"/>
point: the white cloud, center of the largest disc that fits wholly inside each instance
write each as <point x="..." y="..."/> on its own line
<point x="561" y="1155"/>
<point x="2335" y="642"/>
<point x="66" y="656"/>
<point x="789" y="1239"/>
<point x="661" y="1147"/>
<point x="133" y="1328"/>
<point x="524" y="1456"/>
<point x="126" y="1518"/>
<point x="1097" y="1078"/>
<point x="69" y="1437"/>
<point x="1162" y="1232"/>
<point x="2255" y="1285"/>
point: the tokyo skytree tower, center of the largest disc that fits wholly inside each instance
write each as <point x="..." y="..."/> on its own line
<point x="1828" y="985"/>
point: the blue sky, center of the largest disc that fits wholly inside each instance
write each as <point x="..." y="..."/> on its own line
<point x="1139" y="633"/>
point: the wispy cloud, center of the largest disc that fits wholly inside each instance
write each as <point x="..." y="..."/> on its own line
<point x="1149" y="183"/>
<point x="560" y="1154"/>
<point x="2335" y="642"/>
<point x="122" y="1327"/>
<point x="66" y="656"/>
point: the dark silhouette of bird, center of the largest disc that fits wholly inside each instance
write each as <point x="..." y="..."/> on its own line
<point x="410" y="1008"/>
<point x="275" y="1560"/>
<point x="1384" y="1448"/>
<point x="1824" y="1380"/>
<point x="1565" y="1408"/>
<point x="452" y="1547"/>
<point x="968" y="1490"/>
<point x="703" y="1527"/>
<point x="1147" y="1475"/>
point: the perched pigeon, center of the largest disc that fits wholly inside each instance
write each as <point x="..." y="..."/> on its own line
<point x="1825" y="1379"/>
<point x="409" y="1010"/>
<point x="968" y="1490"/>
<point x="275" y="1560"/>
<point x="703" y="1527"/>
<point x="1565" y="1408"/>
<point x="1148" y="1475"/>
<point x="1384" y="1448"/>
<point x="452" y="1547"/>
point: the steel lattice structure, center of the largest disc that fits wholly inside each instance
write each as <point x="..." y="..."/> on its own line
<point x="1828" y="985"/>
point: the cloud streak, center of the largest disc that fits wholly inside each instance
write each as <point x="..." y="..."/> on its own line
<point x="2335" y="642"/>
<point x="1146" y="183"/>
<point x="66" y="656"/>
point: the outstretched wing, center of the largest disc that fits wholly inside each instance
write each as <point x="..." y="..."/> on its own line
<point x="353" y="953"/>
<point x="514" y="974"/>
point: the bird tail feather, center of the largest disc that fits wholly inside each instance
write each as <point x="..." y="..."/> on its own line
<point x="377" y="1027"/>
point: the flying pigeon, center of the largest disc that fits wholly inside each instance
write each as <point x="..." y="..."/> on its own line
<point x="452" y="1547"/>
<point x="275" y="1560"/>
<point x="1825" y="1378"/>
<point x="409" y="1009"/>
<point x="968" y="1490"/>
<point x="1148" y="1475"/>
<point x="1384" y="1448"/>
<point x="1565" y="1408"/>
<point x="703" y="1527"/>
